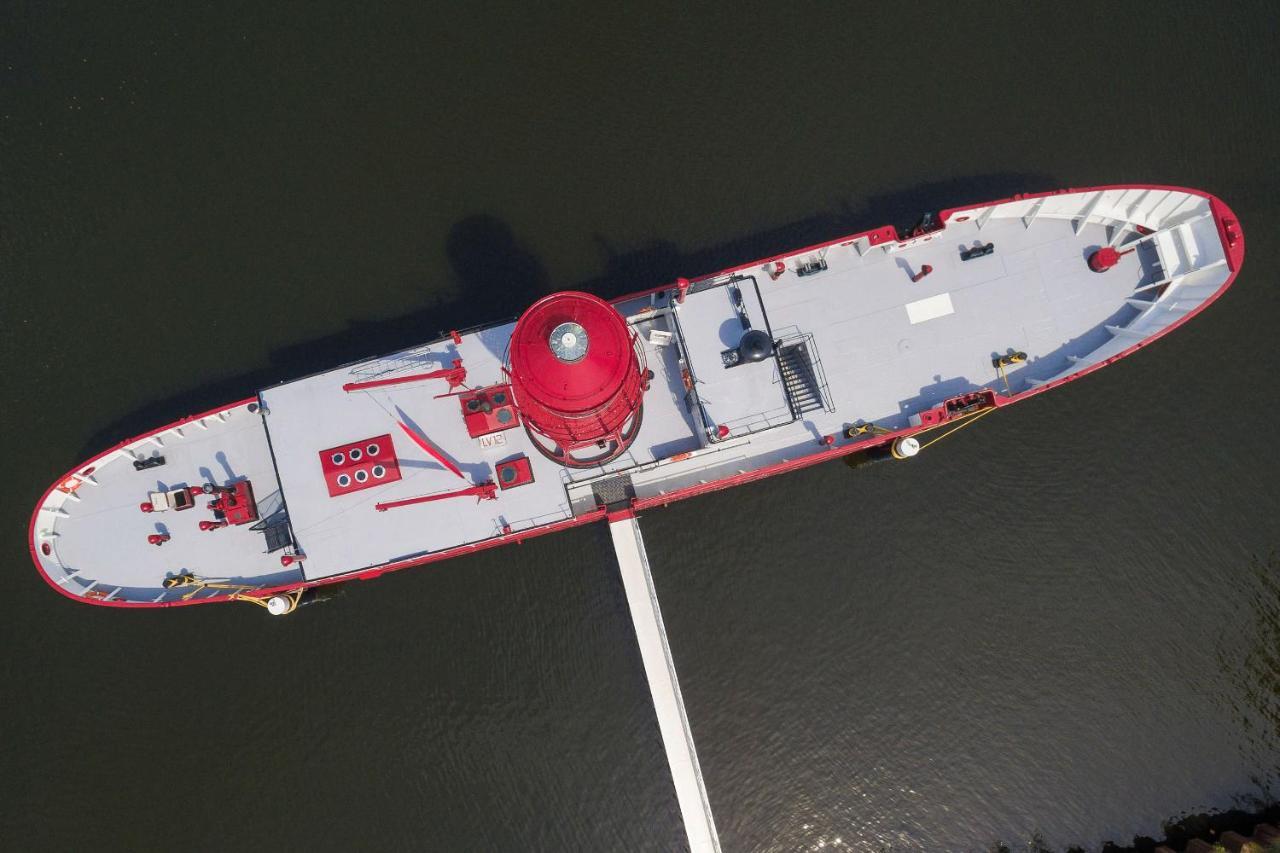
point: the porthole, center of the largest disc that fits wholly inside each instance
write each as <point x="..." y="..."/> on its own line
<point x="379" y="472"/>
<point x="355" y="453"/>
<point x="339" y="457"/>
<point x="362" y="475"/>
<point x="344" y="480"/>
<point x="373" y="450"/>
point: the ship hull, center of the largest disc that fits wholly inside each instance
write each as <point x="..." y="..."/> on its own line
<point x="1180" y="256"/>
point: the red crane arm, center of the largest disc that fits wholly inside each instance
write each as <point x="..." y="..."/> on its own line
<point x="483" y="491"/>
<point x="456" y="376"/>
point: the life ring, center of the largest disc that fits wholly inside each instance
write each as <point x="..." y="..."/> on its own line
<point x="69" y="485"/>
<point x="74" y="481"/>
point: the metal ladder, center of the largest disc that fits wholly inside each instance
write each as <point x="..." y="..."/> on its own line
<point x="799" y="379"/>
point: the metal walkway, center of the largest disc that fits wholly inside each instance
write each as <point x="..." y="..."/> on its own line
<point x="691" y="793"/>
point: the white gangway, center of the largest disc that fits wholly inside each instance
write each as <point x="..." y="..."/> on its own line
<point x="677" y="737"/>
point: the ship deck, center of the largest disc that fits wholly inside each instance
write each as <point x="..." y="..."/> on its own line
<point x="1034" y="293"/>
<point x="891" y="347"/>
<point x="876" y="346"/>
<point x="99" y="535"/>
<point x="347" y="532"/>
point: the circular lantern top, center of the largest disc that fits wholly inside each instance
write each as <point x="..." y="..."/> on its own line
<point x="571" y="353"/>
<point x="569" y="342"/>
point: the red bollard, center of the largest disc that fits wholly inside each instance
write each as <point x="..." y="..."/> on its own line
<point x="924" y="271"/>
<point x="1104" y="259"/>
<point x="682" y="289"/>
<point x="775" y="269"/>
<point x="212" y="525"/>
<point x="158" y="538"/>
<point x="146" y="506"/>
<point x="722" y="431"/>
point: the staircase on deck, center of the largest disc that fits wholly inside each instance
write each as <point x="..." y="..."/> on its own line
<point x="799" y="378"/>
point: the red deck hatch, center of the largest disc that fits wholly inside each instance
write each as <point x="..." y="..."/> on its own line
<point x="359" y="465"/>
<point x="487" y="410"/>
<point x="514" y="472"/>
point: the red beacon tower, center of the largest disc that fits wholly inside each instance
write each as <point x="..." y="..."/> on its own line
<point x="578" y="378"/>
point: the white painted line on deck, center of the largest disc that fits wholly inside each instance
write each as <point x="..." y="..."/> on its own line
<point x="930" y="309"/>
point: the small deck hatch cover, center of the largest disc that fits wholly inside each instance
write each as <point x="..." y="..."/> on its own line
<point x="614" y="493"/>
<point x="278" y="536"/>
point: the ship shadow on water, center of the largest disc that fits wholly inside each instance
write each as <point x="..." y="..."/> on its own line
<point x="498" y="277"/>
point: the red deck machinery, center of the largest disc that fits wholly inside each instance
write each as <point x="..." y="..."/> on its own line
<point x="578" y="377"/>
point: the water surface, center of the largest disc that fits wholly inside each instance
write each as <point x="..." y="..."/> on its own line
<point x="1062" y="622"/>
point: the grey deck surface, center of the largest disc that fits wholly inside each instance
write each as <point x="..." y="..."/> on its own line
<point x="883" y="348"/>
<point x="346" y="533"/>
<point x="103" y="538"/>
<point x="1034" y="294"/>
<point x="745" y="397"/>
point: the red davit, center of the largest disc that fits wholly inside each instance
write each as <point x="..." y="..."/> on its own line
<point x="578" y="378"/>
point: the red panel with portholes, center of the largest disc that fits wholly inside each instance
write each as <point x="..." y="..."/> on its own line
<point x="486" y="410"/>
<point x="514" y="472"/>
<point x="359" y="465"/>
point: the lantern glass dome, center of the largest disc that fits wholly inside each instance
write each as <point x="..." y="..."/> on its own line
<point x="569" y="342"/>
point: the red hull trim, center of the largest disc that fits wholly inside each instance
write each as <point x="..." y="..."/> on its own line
<point x="31" y="527"/>
<point x="877" y="236"/>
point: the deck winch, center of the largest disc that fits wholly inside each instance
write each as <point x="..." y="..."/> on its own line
<point x="1105" y="258"/>
<point x="578" y="379"/>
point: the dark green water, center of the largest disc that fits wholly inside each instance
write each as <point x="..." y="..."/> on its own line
<point x="1064" y="622"/>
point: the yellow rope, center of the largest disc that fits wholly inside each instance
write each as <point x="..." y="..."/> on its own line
<point x="293" y="596"/>
<point x="967" y="419"/>
<point x="200" y="584"/>
<point x="955" y="424"/>
<point x="1004" y="361"/>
